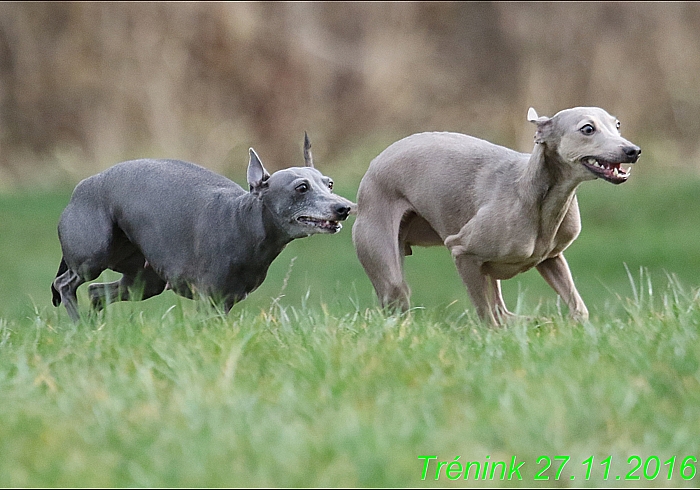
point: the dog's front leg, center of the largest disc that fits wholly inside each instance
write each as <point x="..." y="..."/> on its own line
<point x="477" y="286"/>
<point x="556" y="272"/>
<point x="499" y="304"/>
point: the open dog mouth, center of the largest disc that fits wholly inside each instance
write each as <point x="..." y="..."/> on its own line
<point x="326" y="225"/>
<point x="610" y="171"/>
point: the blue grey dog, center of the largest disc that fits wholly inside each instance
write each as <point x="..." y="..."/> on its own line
<point x="169" y="224"/>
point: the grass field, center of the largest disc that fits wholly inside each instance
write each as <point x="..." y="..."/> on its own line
<point x="305" y="383"/>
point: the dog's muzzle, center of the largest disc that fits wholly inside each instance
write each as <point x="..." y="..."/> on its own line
<point x="612" y="171"/>
<point x="340" y="211"/>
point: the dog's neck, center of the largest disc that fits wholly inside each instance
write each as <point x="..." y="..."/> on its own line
<point x="267" y="238"/>
<point x="549" y="188"/>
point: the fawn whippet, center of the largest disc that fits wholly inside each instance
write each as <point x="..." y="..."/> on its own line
<point x="498" y="211"/>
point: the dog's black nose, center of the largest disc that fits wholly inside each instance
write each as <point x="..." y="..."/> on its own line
<point x="632" y="152"/>
<point x="341" y="211"/>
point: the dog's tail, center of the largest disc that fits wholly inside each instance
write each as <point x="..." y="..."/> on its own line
<point x="56" y="300"/>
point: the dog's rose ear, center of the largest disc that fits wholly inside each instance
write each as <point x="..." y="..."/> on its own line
<point x="531" y="114"/>
<point x="257" y="175"/>
<point x="308" y="157"/>
<point x="542" y="123"/>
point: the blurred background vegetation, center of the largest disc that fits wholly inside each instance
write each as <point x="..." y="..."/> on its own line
<point x="86" y="84"/>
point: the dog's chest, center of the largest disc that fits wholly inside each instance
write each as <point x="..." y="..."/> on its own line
<point x="544" y="246"/>
<point x="506" y="270"/>
<point x="509" y="267"/>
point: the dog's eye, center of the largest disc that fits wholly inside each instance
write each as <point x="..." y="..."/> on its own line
<point x="588" y="129"/>
<point x="330" y="184"/>
<point x="617" y="125"/>
<point x="302" y="188"/>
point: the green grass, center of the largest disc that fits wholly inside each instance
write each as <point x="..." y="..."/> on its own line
<point x="300" y="397"/>
<point x="305" y="383"/>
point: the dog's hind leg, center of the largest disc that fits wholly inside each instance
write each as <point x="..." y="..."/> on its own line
<point x="376" y="238"/>
<point x="138" y="282"/>
<point x="91" y="242"/>
<point x="103" y="293"/>
<point x="146" y="285"/>
<point x="65" y="285"/>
